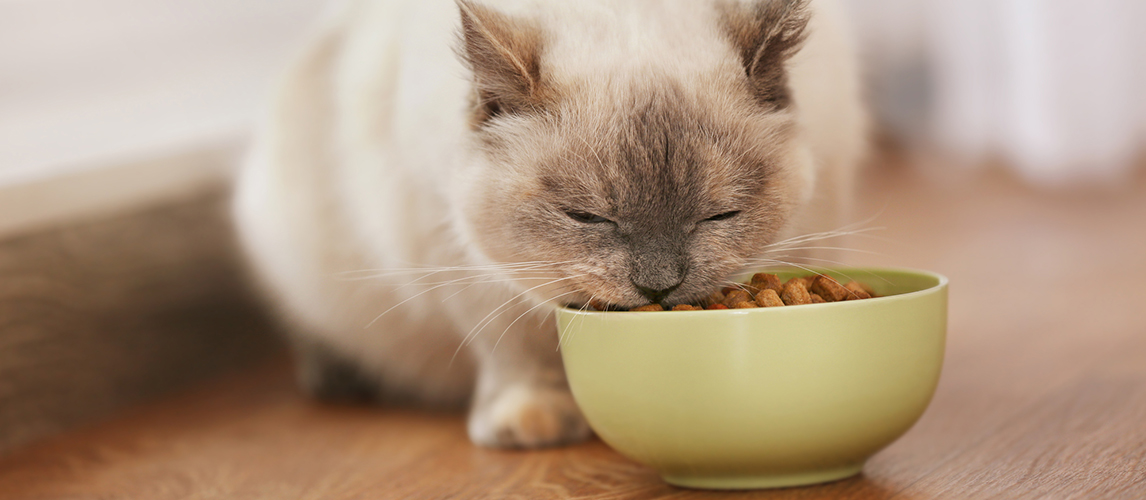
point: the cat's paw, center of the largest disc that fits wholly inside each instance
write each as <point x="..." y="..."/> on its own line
<point x="524" y="416"/>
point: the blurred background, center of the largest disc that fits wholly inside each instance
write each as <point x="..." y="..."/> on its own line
<point x="1010" y="138"/>
<point x="1049" y="88"/>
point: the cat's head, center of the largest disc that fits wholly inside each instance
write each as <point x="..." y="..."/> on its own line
<point x="651" y="180"/>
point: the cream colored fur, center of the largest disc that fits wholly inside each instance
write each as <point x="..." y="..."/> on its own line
<point x="366" y="149"/>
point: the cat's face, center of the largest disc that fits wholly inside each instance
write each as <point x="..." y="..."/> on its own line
<point x="650" y="189"/>
<point x="661" y="198"/>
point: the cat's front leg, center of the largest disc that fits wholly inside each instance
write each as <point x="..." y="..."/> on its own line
<point x="522" y="399"/>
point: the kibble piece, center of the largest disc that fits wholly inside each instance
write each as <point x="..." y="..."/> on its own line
<point x="862" y="286"/>
<point x="715" y="298"/>
<point x="768" y="298"/>
<point x="859" y="291"/>
<point x="765" y="290"/>
<point x="828" y="289"/>
<point x="807" y="282"/>
<point x="795" y="293"/>
<point x="765" y="281"/>
<point x="735" y="297"/>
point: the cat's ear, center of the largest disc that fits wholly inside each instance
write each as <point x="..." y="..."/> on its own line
<point x="766" y="33"/>
<point x="504" y="56"/>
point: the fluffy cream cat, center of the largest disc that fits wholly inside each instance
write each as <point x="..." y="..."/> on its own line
<point x="433" y="174"/>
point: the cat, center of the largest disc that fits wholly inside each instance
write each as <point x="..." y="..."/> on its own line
<point x="433" y="175"/>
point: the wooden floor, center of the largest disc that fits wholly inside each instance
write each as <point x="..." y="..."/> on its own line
<point x="1043" y="394"/>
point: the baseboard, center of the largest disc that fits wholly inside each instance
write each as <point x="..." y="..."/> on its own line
<point x="99" y="312"/>
<point x="102" y="190"/>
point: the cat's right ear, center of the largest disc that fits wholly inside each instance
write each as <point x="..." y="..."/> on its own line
<point x="504" y="55"/>
<point x="766" y="33"/>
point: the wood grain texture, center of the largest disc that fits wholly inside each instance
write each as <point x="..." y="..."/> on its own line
<point x="99" y="315"/>
<point x="1043" y="393"/>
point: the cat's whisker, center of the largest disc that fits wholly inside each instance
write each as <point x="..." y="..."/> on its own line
<point x="464" y="288"/>
<point x="416" y="269"/>
<point x="572" y="289"/>
<point x="793" y="264"/>
<point x="855" y="228"/>
<point x="843" y="249"/>
<point x="427" y="272"/>
<point x="736" y="285"/>
<point x="482" y="278"/>
<point x="796" y="257"/>
<point x="395" y="306"/>
<point x="475" y="267"/>
<point x="801" y="243"/>
<point x="561" y="336"/>
<point x="777" y="259"/>
<point x="869" y="273"/>
<point x="416" y="265"/>
<point x="531" y="309"/>
<point x="491" y="281"/>
<point x="813" y="269"/>
<point x="581" y="319"/>
<point x="423" y="276"/>
<point x="864" y="222"/>
<point x="428" y="290"/>
<point x="489" y="318"/>
<point x="825" y="235"/>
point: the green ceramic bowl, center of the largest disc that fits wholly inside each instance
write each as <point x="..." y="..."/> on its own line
<point x="761" y="398"/>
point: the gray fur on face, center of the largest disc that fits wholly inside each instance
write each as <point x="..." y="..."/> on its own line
<point x="657" y="165"/>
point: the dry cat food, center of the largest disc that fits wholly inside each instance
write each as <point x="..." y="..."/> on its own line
<point x="766" y="290"/>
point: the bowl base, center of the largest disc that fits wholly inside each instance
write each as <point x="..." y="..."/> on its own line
<point x="761" y="481"/>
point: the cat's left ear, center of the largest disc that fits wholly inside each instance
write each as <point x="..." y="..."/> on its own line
<point x="766" y="33"/>
<point x="504" y="55"/>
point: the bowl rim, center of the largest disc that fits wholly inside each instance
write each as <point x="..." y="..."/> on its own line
<point x="942" y="283"/>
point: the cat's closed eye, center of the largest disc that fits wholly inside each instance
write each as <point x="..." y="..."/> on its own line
<point x="586" y="217"/>
<point x="723" y="216"/>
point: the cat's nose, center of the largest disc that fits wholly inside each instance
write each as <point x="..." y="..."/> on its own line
<point x="655" y="295"/>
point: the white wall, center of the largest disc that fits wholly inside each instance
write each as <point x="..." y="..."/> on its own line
<point x="85" y="83"/>
<point x="1052" y="86"/>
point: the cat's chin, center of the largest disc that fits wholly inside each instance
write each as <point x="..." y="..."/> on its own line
<point x="601" y="305"/>
<point x="597" y="305"/>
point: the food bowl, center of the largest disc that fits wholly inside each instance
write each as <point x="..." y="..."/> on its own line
<point x="761" y="398"/>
